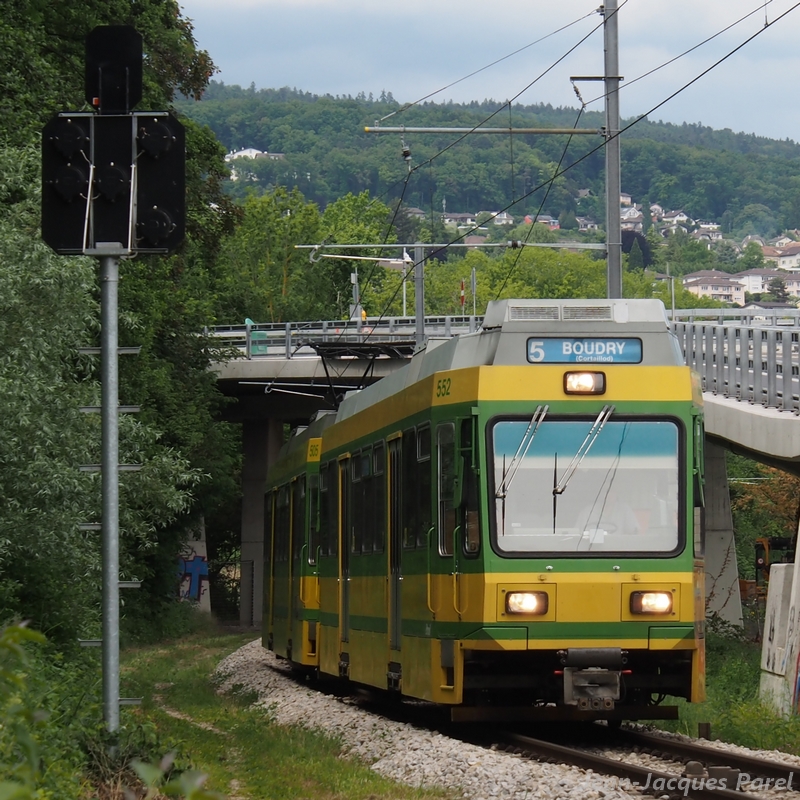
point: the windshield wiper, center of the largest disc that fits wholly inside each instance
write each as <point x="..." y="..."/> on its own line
<point x="583" y="450"/>
<point x="522" y="451"/>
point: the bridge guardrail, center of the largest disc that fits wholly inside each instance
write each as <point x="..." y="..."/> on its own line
<point x="754" y="363"/>
<point x="751" y="355"/>
<point x="294" y="339"/>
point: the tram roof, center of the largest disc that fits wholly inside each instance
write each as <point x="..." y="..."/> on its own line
<point x="507" y="327"/>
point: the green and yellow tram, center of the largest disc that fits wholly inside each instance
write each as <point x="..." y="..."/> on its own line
<point x="511" y="524"/>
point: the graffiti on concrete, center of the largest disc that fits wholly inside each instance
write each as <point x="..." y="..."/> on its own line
<point x="780" y="655"/>
<point x="193" y="574"/>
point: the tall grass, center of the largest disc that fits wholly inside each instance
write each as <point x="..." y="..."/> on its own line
<point x="733" y="707"/>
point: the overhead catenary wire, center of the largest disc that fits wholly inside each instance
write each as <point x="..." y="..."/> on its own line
<point x="558" y="172"/>
<point x="404" y="180"/>
<point x="488" y="66"/>
<point x="632" y="81"/>
<point x="497" y="111"/>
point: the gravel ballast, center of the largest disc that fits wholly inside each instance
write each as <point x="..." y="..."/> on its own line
<point x="412" y="755"/>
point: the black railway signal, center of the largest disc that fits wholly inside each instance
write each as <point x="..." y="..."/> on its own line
<point x="113" y="80"/>
<point x="160" y="183"/>
<point x="113" y="180"/>
<point x="66" y="164"/>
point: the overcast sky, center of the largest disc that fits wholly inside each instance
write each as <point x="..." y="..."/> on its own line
<point x="415" y="47"/>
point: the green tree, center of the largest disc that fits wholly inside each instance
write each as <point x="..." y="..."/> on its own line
<point x="635" y="257"/>
<point x="686" y="255"/>
<point x="778" y="290"/>
<point x="752" y="258"/>
<point x="726" y="255"/>
<point x="263" y="276"/>
<point x="48" y="311"/>
<point x="537" y="232"/>
<point x="756" y="218"/>
<point x="567" y="221"/>
<point x="163" y="304"/>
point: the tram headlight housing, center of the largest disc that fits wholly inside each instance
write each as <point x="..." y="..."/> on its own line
<point x="651" y="602"/>
<point x="535" y="603"/>
<point x="584" y="382"/>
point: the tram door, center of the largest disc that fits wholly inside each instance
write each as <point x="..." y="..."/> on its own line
<point x="281" y="572"/>
<point x="269" y="565"/>
<point x="395" y="543"/>
<point x="345" y="538"/>
<point x="296" y="567"/>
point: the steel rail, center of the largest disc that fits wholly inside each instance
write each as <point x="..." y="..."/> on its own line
<point x="708" y="754"/>
<point x="639" y="776"/>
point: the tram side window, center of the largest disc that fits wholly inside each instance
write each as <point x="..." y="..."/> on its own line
<point x="333" y="510"/>
<point x="268" y="530"/>
<point x="469" y="510"/>
<point x="378" y="496"/>
<point x="367" y="512"/>
<point x="362" y="502"/>
<point x="424" y="483"/>
<point x="313" y="518"/>
<point x="698" y="525"/>
<point x="298" y="517"/>
<point x="329" y="508"/>
<point x="324" y="509"/>
<point x="446" y="449"/>
<point x="410" y="492"/>
<point x="282" y="525"/>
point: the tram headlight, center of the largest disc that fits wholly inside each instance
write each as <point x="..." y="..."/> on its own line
<point x="651" y="602"/>
<point x="527" y="603"/>
<point x="584" y="382"/>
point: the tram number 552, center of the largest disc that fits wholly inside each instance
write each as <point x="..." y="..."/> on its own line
<point x="443" y="387"/>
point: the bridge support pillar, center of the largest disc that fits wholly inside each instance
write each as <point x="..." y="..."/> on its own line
<point x="261" y="442"/>
<point x="722" y="572"/>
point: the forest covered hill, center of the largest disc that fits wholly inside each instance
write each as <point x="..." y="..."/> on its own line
<point x="747" y="183"/>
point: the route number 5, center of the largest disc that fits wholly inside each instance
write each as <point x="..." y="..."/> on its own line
<point x="535" y="351"/>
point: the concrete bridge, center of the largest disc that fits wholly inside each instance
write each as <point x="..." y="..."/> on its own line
<point x="749" y="364"/>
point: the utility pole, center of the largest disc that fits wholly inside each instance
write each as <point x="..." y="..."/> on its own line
<point x="613" y="186"/>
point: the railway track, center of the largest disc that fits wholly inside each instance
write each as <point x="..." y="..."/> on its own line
<point x="708" y="772"/>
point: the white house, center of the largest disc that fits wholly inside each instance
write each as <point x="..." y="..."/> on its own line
<point x="247" y="152"/>
<point x="676" y="219"/>
<point x="631" y="219"/>
<point x="586" y="224"/>
<point x="789" y="257"/>
<point x="460" y="220"/>
<point x="725" y="289"/>
<point x="756" y="281"/>
<point x="500" y="218"/>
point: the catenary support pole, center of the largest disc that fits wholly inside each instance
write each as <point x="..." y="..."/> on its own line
<point x="419" y="293"/>
<point x="109" y="282"/>
<point x="613" y="187"/>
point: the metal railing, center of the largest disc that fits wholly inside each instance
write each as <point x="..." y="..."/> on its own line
<point x="749" y="355"/>
<point x="747" y="359"/>
<point x="295" y="339"/>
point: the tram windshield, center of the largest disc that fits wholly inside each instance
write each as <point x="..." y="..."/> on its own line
<point x="595" y="486"/>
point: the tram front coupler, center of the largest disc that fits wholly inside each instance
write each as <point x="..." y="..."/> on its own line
<point x="592" y="677"/>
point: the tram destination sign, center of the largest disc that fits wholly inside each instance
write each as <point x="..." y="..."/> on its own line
<point x="584" y="350"/>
